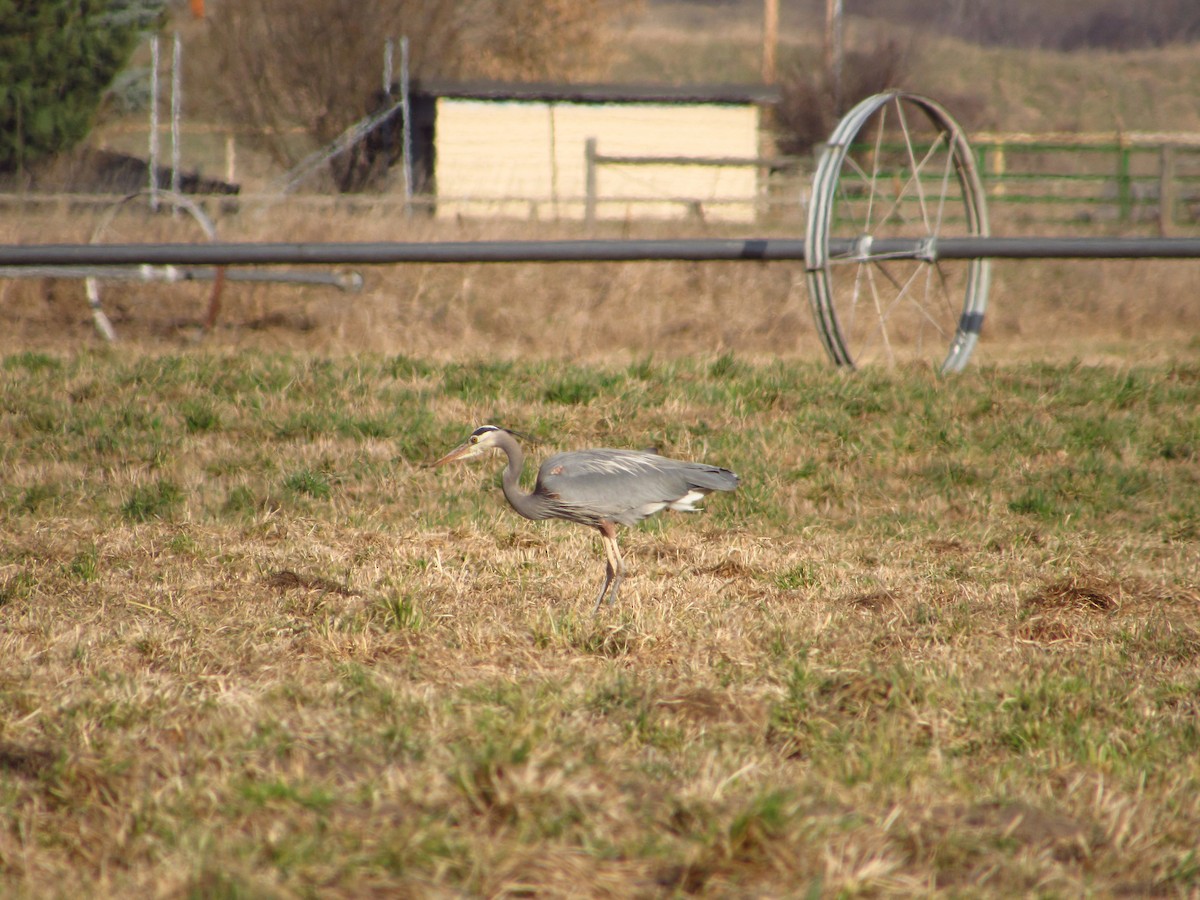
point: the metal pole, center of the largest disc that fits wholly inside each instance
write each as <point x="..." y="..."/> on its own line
<point x="760" y="249"/>
<point x="406" y="127"/>
<point x="154" y="122"/>
<point x="987" y="247"/>
<point x="389" y="48"/>
<point x="350" y="282"/>
<point x="347" y="139"/>
<point x="233" y="254"/>
<point x="176" y="112"/>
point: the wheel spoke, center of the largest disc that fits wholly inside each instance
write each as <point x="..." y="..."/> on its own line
<point x="923" y="308"/>
<point x="902" y="291"/>
<point x="848" y="203"/>
<point x="852" y="316"/>
<point x="876" y="156"/>
<point x="914" y="169"/>
<point x="883" y="332"/>
<point x="951" y="165"/>
<point x="914" y="179"/>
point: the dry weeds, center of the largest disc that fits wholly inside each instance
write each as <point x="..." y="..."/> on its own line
<point x="1095" y="311"/>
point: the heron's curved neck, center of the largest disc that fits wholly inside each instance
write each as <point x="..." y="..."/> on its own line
<point x="531" y="506"/>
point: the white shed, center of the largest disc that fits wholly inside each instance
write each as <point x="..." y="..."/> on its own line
<point x="546" y="151"/>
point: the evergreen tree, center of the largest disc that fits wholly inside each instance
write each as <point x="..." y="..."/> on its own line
<point x="57" y="58"/>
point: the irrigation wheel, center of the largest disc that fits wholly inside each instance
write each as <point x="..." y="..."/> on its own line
<point x="132" y="220"/>
<point x="897" y="166"/>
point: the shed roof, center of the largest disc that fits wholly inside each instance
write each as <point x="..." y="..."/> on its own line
<point x="600" y="93"/>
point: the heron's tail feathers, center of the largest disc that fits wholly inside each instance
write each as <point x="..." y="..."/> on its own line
<point x="706" y="479"/>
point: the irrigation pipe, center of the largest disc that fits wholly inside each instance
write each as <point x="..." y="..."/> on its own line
<point x="763" y="249"/>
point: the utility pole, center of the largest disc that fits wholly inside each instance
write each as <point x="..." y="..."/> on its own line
<point x="770" y="75"/>
<point x="770" y="40"/>
<point x="833" y="49"/>
<point x="766" y="112"/>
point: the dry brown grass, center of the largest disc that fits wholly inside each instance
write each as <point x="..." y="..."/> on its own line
<point x="196" y="720"/>
<point x="943" y="639"/>
<point x="1050" y="310"/>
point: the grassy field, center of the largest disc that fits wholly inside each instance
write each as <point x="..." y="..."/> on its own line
<point x="944" y="639"/>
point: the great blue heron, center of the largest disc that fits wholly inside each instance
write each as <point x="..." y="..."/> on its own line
<point x="602" y="488"/>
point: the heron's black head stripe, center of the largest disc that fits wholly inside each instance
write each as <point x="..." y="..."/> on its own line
<point x="484" y="429"/>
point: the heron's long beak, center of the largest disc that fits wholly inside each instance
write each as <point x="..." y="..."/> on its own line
<point x="461" y="453"/>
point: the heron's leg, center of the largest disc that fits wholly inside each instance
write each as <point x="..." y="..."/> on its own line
<point x="614" y="569"/>
<point x="620" y="567"/>
<point x="608" y="577"/>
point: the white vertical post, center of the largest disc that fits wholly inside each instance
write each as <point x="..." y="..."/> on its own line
<point x="154" y="122"/>
<point x="176" y="109"/>
<point x="406" y="128"/>
<point x="389" y="50"/>
<point x="230" y="158"/>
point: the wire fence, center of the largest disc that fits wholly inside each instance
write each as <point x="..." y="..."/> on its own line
<point x="1111" y="182"/>
<point x="1124" y="179"/>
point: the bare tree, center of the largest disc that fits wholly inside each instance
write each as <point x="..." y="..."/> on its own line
<point x="301" y="72"/>
<point x="810" y="107"/>
<point x="545" y="39"/>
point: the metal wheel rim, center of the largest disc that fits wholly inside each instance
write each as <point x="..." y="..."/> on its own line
<point x="828" y="258"/>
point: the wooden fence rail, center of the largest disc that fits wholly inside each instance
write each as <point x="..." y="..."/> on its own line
<point x="1119" y="180"/>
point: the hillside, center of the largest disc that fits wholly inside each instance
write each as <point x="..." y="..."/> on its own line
<point x="987" y="87"/>
<point x="998" y="88"/>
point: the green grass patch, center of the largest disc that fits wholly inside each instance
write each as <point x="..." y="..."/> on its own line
<point x="309" y="482"/>
<point x="158" y="500"/>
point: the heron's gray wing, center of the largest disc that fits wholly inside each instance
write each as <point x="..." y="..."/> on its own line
<point x="625" y="485"/>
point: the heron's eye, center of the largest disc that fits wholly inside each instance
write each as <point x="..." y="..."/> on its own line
<point x="474" y="439"/>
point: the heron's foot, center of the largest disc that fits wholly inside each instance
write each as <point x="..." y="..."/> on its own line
<point x="612" y="584"/>
<point x="616" y="586"/>
<point x="608" y="578"/>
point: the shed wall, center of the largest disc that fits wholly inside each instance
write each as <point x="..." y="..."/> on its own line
<point x="527" y="159"/>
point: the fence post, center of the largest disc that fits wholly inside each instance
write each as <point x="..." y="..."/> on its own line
<point x="1124" y="187"/>
<point x="589" y="170"/>
<point x="997" y="170"/>
<point x="1166" y="189"/>
<point x="230" y="158"/>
